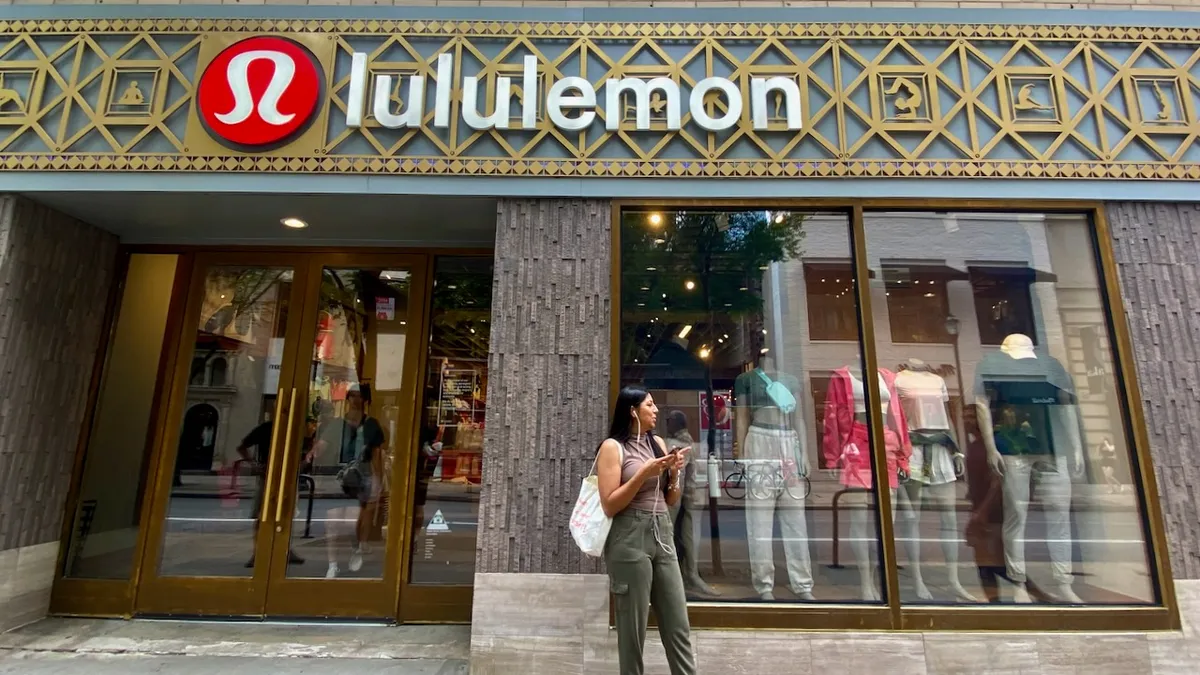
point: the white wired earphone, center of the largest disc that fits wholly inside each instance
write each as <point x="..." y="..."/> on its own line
<point x="669" y="549"/>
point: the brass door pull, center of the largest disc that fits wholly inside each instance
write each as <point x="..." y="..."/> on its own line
<point x="283" y="461"/>
<point x="267" y="483"/>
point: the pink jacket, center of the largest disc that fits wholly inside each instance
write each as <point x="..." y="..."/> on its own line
<point x="841" y="429"/>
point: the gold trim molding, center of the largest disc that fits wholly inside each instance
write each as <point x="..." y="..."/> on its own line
<point x="600" y="30"/>
<point x="878" y="100"/>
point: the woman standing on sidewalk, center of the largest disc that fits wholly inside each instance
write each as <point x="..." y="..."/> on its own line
<point x="638" y="481"/>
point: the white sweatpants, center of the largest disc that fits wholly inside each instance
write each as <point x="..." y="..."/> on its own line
<point x="1050" y="480"/>
<point x="774" y="445"/>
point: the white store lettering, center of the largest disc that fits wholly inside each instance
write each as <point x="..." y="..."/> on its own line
<point x="571" y="102"/>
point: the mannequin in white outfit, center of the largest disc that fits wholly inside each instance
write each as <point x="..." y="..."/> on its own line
<point x="936" y="465"/>
<point x="769" y="437"/>
<point x="1027" y="399"/>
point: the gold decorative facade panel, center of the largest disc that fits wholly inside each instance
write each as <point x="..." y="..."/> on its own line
<point x="771" y="100"/>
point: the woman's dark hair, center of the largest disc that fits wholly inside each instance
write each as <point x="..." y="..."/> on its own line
<point x="628" y="399"/>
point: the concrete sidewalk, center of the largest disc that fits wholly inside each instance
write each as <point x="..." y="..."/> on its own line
<point x="104" y="647"/>
<point x="52" y="663"/>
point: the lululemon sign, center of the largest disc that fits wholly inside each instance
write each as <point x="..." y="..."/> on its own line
<point x="260" y="93"/>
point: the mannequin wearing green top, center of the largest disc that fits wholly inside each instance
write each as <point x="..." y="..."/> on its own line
<point x="1026" y="399"/>
<point x="770" y="440"/>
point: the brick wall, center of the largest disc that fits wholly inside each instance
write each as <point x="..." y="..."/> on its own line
<point x="55" y="274"/>
<point x="1166" y="5"/>
<point x="548" y="380"/>
<point x="1155" y="247"/>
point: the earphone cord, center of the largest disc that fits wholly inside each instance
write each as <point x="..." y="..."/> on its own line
<point x="669" y="549"/>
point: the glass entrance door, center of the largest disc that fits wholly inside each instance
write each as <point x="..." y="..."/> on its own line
<point x="286" y="439"/>
<point x="347" y="477"/>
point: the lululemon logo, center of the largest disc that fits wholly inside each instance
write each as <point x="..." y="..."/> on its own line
<point x="259" y="93"/>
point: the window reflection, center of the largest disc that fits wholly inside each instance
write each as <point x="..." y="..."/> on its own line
<point x="1023" y="495"/>
<point x="740" y="323"/>
<point x="1006" y="455"/>
<point x="450" y="455"/>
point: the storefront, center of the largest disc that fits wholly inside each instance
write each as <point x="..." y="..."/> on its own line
<point x="350" y="293"/>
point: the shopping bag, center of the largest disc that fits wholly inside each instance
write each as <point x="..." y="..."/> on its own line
<point x="589" y="523"/>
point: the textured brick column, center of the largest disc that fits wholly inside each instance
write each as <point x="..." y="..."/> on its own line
<point x="55" y="275"/>
<point x="548" y="380"/>
<point x="539" y="603"/>
<point x="1156" y="252"/>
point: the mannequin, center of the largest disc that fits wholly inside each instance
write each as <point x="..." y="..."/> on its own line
<point x="769" y="434"/>
<point x="846" y="445"/>
<point x="1027" y="401"/>
<point x="936" y="465"/>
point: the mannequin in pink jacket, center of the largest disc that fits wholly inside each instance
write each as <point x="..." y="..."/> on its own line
<point x="846" y="446"/>
<point x="845" y="434"/>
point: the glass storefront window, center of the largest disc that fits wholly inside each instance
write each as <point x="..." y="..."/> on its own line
<point x="744" y="327"/>
<point x="449" y="457"/>
<point x="1009" y="467"/>
<point x="1019" y="483"/>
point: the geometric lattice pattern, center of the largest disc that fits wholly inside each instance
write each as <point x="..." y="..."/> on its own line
<point x="878" y="99"/>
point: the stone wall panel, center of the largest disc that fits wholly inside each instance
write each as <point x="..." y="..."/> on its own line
<point x="548" y="384"/>
<point x="1156" y="254"/>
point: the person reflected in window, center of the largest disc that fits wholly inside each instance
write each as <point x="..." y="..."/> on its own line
<point x="683" y="512"/>
<point x="639" y="481"/>
<point x="358" y="440"/>
<point x="259" y="439"/>
<point x="1108" y="465"/>
<point x="430" y="440"/>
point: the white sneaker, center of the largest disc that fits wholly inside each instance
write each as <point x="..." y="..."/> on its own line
<point x="332" y="572"/>
<point x="356" y="560"/>
<point x="1021" y="595"/>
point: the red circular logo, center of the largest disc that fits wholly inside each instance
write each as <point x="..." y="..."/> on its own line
<point x="259" y="93"/>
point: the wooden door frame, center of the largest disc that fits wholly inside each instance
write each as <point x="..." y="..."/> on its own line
<point x="348" y="597"/>
<point x="209" y="595"/>
<point x="420" y="602"/>
<point x="415" y="603"/>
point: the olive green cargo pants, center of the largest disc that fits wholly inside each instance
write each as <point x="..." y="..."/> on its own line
<point x="642" y="575"/>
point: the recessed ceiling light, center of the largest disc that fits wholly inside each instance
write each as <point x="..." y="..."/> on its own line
<point x="294" y="223"/>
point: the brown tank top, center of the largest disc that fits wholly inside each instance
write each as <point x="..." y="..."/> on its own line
<point x="638" y="451"/>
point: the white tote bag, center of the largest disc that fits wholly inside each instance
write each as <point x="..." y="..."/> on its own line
<point x="589" y="523"/>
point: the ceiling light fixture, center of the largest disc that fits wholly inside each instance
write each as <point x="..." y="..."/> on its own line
<point x="686" y="329"/>
<point x="294" y="223"/>
<point x="690" y="285"/>
<point x="656" y="219"/>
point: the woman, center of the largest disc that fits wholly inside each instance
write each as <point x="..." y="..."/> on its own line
<point x="359" y="442"/>
<point x="639" y="480"/>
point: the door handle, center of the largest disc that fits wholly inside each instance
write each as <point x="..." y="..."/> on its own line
<point x="283" y="462"/>
<point x="267" y="483"/>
